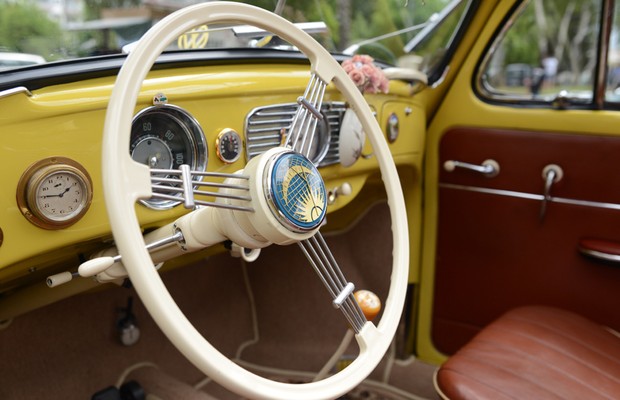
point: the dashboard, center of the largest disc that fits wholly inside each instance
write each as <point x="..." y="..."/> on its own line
<point x="214" y="118"/>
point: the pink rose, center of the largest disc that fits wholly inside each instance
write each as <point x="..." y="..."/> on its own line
<point x="366" y="59"/>
<point x="348" y="66"/>
<point x="384" y="86"/>
<point x="368" y="69"/>
<point x="365" y="74"/>
<point x="358" y="77"/>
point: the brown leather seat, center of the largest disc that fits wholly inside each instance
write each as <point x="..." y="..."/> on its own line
<point x="535" y="353"/>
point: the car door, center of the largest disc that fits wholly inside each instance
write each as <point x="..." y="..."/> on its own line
<point x="522" y="177"/>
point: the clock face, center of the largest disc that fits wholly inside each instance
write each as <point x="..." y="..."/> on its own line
<point x="60" y="196"/>
<point x="54" y="193"/>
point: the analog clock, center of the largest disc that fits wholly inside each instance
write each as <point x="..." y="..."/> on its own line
<point x="54" y="193"/>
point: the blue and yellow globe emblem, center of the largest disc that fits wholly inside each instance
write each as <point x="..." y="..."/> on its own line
<point x="298" y="191"/>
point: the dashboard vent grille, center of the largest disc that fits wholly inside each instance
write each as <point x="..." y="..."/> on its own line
<point x="265" y="126"/>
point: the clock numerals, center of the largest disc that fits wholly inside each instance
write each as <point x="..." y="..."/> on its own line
<point x="54" y="193"/>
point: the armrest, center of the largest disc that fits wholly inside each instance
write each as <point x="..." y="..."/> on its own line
<point x="600" y="249"/>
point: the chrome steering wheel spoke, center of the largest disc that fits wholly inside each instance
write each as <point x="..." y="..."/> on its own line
<point x="300" y="137"/>
<point x="322" y="260"/>
<point x="301" y="133"/>
<point x="183" y="185"/>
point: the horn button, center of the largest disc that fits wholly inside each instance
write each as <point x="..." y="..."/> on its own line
<point x="295" y="192"/>
<point x="289" y="200"/>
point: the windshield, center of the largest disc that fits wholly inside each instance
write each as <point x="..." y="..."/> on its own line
<point x="395" y="32"/>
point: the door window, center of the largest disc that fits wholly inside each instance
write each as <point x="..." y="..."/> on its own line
<point x="546" y="52"/>
<point x="612" y="94"/>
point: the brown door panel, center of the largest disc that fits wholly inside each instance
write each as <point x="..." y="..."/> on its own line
<point x="494" y="252"/>
<point x="591" y="164"/>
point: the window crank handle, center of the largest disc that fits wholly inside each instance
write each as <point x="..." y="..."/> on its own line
<point x="551" y="174"/>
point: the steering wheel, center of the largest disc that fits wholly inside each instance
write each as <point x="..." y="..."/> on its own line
<point x="126" y="181"/>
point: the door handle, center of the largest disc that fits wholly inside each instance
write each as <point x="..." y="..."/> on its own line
<point x="488" y="168"/>
<point x="602" y="250"/>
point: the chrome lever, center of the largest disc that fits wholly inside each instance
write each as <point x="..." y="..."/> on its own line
<point x="488" y="168"/>
<point x="97" y="265"/>
<point x="551" y="174"/>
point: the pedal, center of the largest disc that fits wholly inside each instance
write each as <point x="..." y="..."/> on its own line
<point x="128" y="391"/>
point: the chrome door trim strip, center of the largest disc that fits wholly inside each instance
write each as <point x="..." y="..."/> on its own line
<point x="531" y="196"/>
<point x="499" y="192"/>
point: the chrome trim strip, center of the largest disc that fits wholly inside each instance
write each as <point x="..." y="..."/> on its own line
<point x="499" y="192"/>
<point x="531" y="196"/>
<point x="16" y="90"/>
<point x="586" y="203"/>
<point x="600" y="255"/>
<point x="264" y="128"/>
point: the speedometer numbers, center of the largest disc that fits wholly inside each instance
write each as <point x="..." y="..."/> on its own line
<point x="166" y="137"/>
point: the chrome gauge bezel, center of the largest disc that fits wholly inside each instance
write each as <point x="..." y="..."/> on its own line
<point x="194" y="135"/>
<point x="225" y="137"/>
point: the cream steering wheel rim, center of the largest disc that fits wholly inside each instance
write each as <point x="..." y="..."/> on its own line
<point x="125" y="181"/>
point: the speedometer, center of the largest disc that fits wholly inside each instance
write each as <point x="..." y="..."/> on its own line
<point x="165" y="137"/>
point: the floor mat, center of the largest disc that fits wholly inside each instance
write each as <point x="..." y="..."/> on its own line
<point x="365" y="393"/>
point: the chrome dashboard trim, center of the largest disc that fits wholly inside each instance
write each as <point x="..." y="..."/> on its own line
<point x="531" y="196"/>
<point x="16" y="90"/>
<point x="264" y="127"/>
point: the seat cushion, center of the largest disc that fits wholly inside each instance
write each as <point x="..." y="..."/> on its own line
<point x="535" y="353"/>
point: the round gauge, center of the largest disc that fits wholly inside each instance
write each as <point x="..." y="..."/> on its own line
<point x="54" y="193"/>
<point x="166" y="137"/>
<point x="228" y="146"/>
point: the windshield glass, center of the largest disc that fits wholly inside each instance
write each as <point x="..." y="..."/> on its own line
<point x="396" y="32"/>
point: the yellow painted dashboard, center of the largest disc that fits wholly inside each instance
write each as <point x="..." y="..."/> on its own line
<point x="66" y="120"/>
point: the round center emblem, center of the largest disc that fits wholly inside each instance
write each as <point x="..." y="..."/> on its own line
<point x="298" y="192"/>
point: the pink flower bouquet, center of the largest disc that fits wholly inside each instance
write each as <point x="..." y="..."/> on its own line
<point x="365" y="74"/>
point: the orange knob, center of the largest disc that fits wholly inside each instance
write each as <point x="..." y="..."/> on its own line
<point x="368" y="302"/>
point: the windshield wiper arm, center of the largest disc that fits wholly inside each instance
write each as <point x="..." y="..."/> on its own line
<point x="353" y="48"/>
<point x="279" y="7"/>
<point x="434" y="21"/>
<point x="252" y="31"/>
